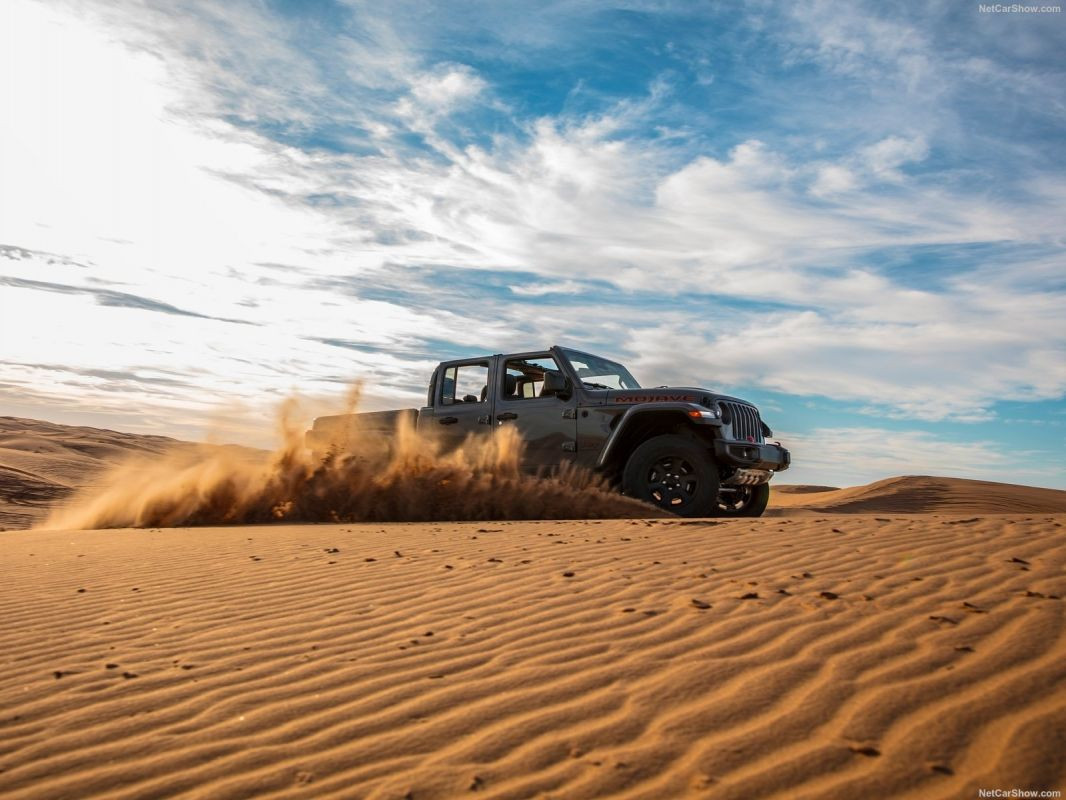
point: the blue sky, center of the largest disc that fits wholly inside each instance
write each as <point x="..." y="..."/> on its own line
<point x="849" y="213"/>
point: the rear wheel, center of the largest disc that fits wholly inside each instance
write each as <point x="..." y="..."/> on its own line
<point x="674" y="473"/>
<point x="744" y="501"/>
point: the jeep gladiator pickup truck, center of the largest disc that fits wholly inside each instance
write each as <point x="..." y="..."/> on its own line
<point x="690" y="451"/>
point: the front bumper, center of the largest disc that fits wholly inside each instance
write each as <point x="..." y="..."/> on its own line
<point x="748" y="455"/>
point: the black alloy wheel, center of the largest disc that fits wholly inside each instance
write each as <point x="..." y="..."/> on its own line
<point x="674" y="473"/>
<point x="744" y="501"/>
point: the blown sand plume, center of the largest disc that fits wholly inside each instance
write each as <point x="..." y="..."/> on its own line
<point x="401" y="477"/>
<point x="919" y="656"/>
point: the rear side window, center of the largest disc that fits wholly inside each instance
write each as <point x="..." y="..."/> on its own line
<point x="465" y="383"/>
<point x="524" y="377"/>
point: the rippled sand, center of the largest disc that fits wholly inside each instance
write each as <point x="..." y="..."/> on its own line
<point x="802" y="657"/>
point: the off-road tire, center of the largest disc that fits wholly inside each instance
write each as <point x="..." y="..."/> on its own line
<point x="753" y="506"/>
<point x="675" y="473"/>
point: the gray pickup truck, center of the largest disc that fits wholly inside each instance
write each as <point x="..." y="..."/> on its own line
<point x="690" y="451"/>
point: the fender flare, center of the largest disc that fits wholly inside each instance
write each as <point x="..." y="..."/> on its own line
<point x="642" y="409"/>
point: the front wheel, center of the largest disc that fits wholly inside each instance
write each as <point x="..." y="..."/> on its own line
<point x="674" y="473"/>
<point x="744" y="501"/>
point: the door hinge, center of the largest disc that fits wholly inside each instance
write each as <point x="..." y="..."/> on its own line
<point x="570" y="447"/>
<point x="570" y="413"/>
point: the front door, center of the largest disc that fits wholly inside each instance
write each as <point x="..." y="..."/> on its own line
<point x="463" y="403"/>
<point x="546" y="422"/>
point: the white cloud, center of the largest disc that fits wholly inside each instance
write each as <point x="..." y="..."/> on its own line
<point x="100" y="164"/>
<point x="434" y="95"/>
<point x="920" y="356"/>
<point x="885" y="157"/>
<point x="833" y="179"/>
<point x="448" y="86"/>
<point x="541" y="289"/>
<point x="852" y="41"/>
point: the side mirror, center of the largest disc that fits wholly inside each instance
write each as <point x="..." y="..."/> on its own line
<point x="555" y="384"/>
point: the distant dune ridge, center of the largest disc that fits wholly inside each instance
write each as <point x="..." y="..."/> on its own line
<point x="45" y="466"/>
<point x="922" y="494"/>
<point x="42" y="463"/>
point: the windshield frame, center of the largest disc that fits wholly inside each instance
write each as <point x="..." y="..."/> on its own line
<point x="624" y="375"/>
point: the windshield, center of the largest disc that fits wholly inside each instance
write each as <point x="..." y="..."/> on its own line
<point x="599" y="373"/>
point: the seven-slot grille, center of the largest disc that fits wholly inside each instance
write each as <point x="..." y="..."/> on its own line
<point x="745" y="421"/>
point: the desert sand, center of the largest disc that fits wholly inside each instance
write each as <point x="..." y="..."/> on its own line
<point x="804" y="657"/>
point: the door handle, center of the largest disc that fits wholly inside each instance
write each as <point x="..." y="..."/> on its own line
<point x="448" y="420"/>
<point x="506" y="415"/>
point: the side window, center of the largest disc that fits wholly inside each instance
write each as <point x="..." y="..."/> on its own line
<point x="465" y="383"/>
<point x="524" y="377"/>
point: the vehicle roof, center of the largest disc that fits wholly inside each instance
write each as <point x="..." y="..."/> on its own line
<point x="528" y="353"/>
<point x="582" y="352"/>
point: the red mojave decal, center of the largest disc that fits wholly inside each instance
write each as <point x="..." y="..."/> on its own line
<point x="656" y="398"/>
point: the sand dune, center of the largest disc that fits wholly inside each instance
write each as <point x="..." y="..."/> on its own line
<point x="923" y="494"/>
<point x="41" y="463"/>
<point x="912" y="656"/>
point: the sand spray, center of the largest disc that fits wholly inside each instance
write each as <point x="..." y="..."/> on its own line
<point x="403" y="477"/>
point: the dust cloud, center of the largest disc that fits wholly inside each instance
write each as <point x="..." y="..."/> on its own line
<point x="402" y="475"/>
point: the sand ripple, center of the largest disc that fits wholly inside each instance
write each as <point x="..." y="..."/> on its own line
<point x="800" y="658"/>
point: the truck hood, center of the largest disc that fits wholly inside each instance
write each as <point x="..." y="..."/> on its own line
<point x="666" y="394"/>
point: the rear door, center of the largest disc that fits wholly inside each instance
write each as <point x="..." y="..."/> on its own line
<point x="547" y="423"/>
<point x="463" y="402"/>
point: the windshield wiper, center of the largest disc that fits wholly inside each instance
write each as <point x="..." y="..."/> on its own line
<point x="592" y="385"/>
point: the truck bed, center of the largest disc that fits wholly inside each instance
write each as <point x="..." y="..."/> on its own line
<point x="342" y="432"/>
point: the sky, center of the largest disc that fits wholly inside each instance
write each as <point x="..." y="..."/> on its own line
<point x="852" y="214"/>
